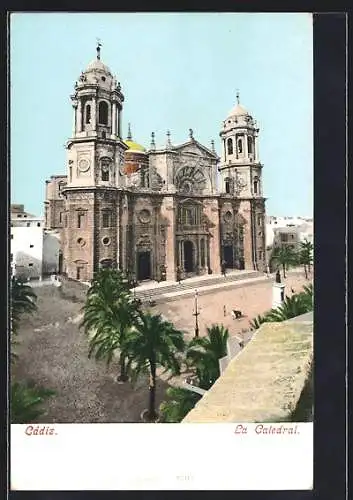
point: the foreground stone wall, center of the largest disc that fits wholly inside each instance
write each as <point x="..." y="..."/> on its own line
<point x="265" y="382"/>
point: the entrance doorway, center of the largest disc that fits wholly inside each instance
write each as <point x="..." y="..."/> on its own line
<point x="79" y="272"/>
<point x="60" y="262"/>
<point x="228" y="256"/>
<point x="188" y="256"/>
<point x="144" y="265"/>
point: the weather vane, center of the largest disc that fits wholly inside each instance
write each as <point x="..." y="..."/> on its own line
<point x="99" y="44"/>
<point x="238" y="96"/>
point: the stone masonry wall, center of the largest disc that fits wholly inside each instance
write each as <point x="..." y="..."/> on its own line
<point x="265" y="382"/>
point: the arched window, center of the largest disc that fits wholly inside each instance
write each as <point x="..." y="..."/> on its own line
<point x="189" y="215"/>
<point x="103" y="113"/>
<point x="250" y="144"/>
<point x="105" y="169"/>
<point x="88" y="113"/>
<point x="227" y="183"/>
<point x="230" y="146"/>
<point x="240" y="145"/>
<point x="256" y="185"/>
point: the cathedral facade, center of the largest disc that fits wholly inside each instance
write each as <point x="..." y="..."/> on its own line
<point x="158" y="213"/>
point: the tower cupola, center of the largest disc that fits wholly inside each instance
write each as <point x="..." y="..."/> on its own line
<point x="97" y="102"/>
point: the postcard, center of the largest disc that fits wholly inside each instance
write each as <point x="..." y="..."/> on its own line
<point x="161" y="251"/>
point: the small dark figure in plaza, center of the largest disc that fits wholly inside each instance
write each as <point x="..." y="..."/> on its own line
<point x="223" y="268"/>
<point x="178" y="275"/>
<point x="278" y="276"/>
<point x="236" y="314"/>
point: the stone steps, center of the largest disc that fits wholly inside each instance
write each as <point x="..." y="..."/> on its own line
<point x="187" y="288"/>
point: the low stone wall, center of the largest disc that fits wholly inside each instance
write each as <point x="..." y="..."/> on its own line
<point x="268" y="381"/>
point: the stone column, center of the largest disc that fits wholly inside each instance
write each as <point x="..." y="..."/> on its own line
<point x="199" y="252"/>
<point x="79" y="116"/>
<point x="74" y="124"/>
<point x="119" y="122"/>
<point x="246" y="152"/>
<point x="256" y="147"/>
<point x="212" y="211"/>
<point x="94" y="113"/>
<point x="168" y="212"/>
<point x="248" y="235"/>
<point x="114" y="118"/>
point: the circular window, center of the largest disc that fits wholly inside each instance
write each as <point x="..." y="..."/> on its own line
<point x="103" y="78"/>
<point x="81" y="242"/>
<point x="228" y="216"/>
<point x="106" y="240"/>
<point x="144" y="216"/>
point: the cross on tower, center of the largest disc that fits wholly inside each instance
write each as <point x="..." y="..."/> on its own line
<point x="98" y="48"/>
<point x="238" y="96"/>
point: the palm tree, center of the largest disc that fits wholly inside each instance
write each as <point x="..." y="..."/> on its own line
<point x="153" y="342"/>
<point x="26" y="402"/>
<point x="284" y="256"/>
<point x="22" y="300"/>
<point x="292" y="306"/>
<point x="180" y="401"/>
<point x="204" y="354"/>
<point x="259" y="320"/>
<point x="297" y="304"/>
<point x="306" y="255"/>
<point x="109" y="313"/>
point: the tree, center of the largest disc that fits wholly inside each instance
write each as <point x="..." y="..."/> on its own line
<point x="291" y="307"/>
<point x="204" y="354"/>
<point x="153" y="342"/>
<point x="297" y="304"/>
<point x="26" y="402"/>
<point x="284" y="256"/>
<point x="22" y="300"/>
<point x="108" y="316"/>
<point x="180" y="401"/>
<point x="306" y="255"/>
<point x="259" y="320"/>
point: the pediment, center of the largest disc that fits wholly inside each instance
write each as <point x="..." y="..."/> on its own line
<point x="190" y="201"/>
<point x="195" y="149"/>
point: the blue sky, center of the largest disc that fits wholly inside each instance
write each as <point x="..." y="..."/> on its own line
<point x="177" y="71"/>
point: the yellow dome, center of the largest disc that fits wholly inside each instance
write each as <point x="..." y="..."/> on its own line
<point x="134" y="146"/>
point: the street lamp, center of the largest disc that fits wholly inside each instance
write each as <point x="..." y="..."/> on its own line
<point x="196" y="313"/>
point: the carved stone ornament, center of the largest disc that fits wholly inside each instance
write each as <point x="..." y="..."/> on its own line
<point x="227" y="217"/>
<point x="144" y="216"/>
<point x="84" y="164"/>
<point x="80" y="196"/>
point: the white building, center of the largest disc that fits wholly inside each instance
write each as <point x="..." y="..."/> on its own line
<point x="26" y="244"/>
<point x="288" y="231"/>
<point x="34" y="252"/>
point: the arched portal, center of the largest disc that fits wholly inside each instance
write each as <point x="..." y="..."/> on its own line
<point x="188" y="256"/>
<point x="144" y="265"/>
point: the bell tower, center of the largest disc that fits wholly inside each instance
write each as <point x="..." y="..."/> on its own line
<point x="241" y="178"/>
<point x="95" y="156"/>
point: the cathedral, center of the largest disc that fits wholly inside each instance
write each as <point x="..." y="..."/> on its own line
<point x="157" y="213"/>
